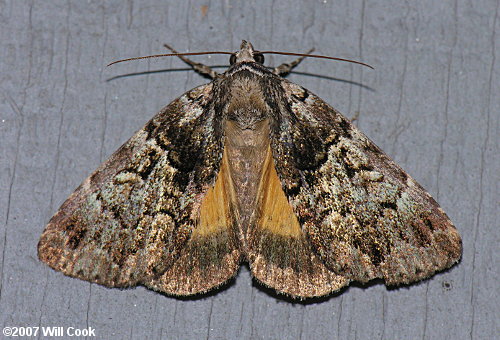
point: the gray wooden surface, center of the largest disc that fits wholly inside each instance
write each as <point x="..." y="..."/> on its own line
<point x="432" y="103"/>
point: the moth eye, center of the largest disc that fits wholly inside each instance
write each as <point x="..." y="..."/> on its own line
<point x="232" y="59"/>
<point x="259" y="58"/>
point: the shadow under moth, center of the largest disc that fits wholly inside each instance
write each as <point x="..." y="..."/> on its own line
<point x="249" y="167"/>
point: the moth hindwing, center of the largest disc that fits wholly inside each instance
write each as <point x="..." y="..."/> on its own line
<point x="249" y="167"/>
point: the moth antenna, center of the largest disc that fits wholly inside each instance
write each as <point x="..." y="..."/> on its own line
<point x="262" y="52"/>
<point x="316" y="56"/>
<point x="167" y="55"/>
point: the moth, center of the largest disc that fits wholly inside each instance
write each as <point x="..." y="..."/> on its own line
<point x="249" y="167"/>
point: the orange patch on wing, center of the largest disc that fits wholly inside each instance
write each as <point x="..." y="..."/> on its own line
<point x="215" y="210"/>
<point x="276" y="214"/>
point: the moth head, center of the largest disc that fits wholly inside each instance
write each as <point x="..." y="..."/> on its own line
<point x="246" y="54"/>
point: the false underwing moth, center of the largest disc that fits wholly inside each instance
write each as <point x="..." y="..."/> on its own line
<point x="249" y="167"/>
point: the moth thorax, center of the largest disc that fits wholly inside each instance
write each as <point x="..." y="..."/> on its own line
<point x="246" y="106"/>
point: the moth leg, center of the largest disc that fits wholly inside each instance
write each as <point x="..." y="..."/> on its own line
<point x="204" y="70"/>
<point x="286" y="68"/>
